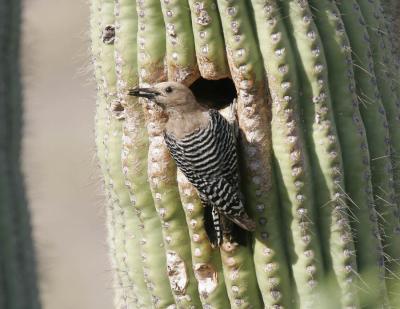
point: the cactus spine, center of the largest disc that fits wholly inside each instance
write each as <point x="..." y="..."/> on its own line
<point x="316" y="104"/>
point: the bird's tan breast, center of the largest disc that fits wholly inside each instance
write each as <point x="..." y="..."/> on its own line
<point x="182" y="125"/>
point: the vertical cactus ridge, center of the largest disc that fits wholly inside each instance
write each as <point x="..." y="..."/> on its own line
<point x="392" y="11"/>
<point x="181" y="56"/>
<point x="206" y="261"/>
<point x="127" y="269"/>
<point x="387" y="76"/>
<point x="151" y="42"/>
<point x="372" y="112"/>
<point x="247" y="73"/>
<point x="108" y="134"/>
<point x="161" y="168"/>
<point x="353" y="141"/>
<point x="208" y="39"/>
<point x="387" y="84"/>
<point x="134" y="161"/>
<point x="389" y="11"/>
<point x="325" y="152"/>
<point x="291" y="157"/>
<point x="239" y="43"/>
<point x="115" y="216"/>
<point x="125" y="30"/>
<point x="175" y="231"/>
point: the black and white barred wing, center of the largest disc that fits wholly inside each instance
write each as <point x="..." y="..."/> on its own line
<point x="208" y="153"/>
<point x="208" y="158"/>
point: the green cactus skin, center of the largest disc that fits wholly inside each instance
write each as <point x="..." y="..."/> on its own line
<point x="206" y="261"/>
<point x="237" y="261"/>
<point x="289" y="151"/>
<point x="134" y="159"/>
<point x="325" y="153"/>
<point x="391" y="11"/>
<point x="181" y="56"/>
<point x="208" y="39"/>
<point x="390" y="16"/>
<point x="117" y="193"/>
<point x="247" y="73"/>
<point x="17" y="261"/>
<point x="392" y="68"/>
<point x="108" y="134"/>
<point x="161" y="168"/>
<point x="395" y="28"/>
<point x="134" y="163"/>
<point x="162" y="177"/>
<point x="125" y="36"/>
<point x="384" y="72"/>
<point x="354" y="146"/>
<point x="371" y="107"/>
<point x="151" y="42"/>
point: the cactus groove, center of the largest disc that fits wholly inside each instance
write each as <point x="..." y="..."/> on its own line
<point x="317" y="87"/>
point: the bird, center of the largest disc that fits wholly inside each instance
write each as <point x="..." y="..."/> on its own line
<point x="204" y="146"/>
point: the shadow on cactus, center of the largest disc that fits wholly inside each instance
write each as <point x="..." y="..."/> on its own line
<point x="317" y="105"/>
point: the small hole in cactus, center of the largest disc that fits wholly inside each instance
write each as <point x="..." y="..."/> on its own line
<point x="108" y="35"/>
<point x="118" y="109"/>
<point x="215" y="94"/>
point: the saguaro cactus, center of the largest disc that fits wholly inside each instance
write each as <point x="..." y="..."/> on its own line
<point x="317" y="90"/>
<point x="18" y="287"/>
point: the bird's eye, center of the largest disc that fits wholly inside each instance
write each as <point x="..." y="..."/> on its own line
<point x="168" y="89"/>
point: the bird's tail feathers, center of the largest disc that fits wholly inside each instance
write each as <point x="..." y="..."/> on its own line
<point x="233" y="232"/>
<point x="244" y="221"/>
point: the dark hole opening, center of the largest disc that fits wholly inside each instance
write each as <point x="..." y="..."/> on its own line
<point x="215" y="94"/>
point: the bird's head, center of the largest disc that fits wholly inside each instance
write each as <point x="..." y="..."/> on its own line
<point x="168" y="95"/>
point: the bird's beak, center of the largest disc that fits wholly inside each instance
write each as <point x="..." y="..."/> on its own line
<point x="148" y="93"/>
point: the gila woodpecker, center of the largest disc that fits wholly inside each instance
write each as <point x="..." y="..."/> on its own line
<point x="204" y="147"/>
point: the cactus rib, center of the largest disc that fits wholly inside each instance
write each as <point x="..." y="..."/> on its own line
<point x="253" y="118"/>
<point x="206" y="261"/>
<point x="181" y="56"/>
<point x="325" y="152"/>
<point x="352" y="138"/>
<point x="161" y="169"/>
<point x="134" y="160"/>
<point x="291" y="156"/>
<point x="384" y="70"/>
<point x="208" y="39"/>
<point x="108" y="136"/>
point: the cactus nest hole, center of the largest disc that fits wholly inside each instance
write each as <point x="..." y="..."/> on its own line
<point x="215" y="94"/>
